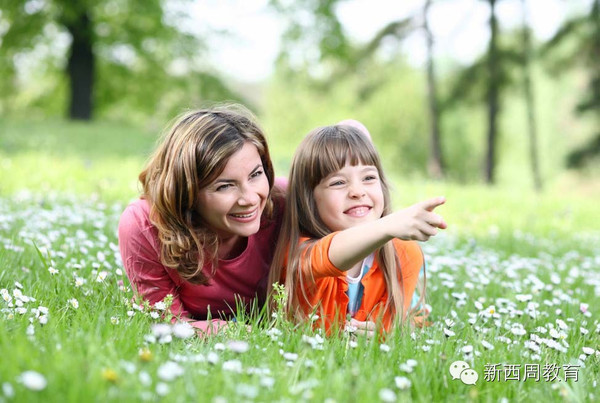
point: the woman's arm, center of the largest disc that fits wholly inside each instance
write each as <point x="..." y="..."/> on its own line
<point x="148" y="276"/>
<point x="141" y="257"/>
<point x="417" y="222"/>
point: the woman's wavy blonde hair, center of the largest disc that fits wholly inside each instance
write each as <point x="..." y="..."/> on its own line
<point x="324" y="151"/>
<point x="189" y="156"/>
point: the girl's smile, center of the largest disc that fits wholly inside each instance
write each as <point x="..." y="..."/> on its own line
<point x="358" y="211"/>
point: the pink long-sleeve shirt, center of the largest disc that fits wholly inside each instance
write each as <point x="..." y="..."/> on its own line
<point x="242" y="278"/>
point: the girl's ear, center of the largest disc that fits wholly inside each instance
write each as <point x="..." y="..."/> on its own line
<point x="357" y="125"/>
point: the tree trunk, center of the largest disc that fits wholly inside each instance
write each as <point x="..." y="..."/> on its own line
<point x="595" y="74"/>
<point x="436" y="163"/>
<point x="80" y="66"/>
<point x="493" y="102"/>
<point x="530" y="102"/>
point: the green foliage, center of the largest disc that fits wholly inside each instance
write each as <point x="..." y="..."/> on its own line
<point x="577" y="43"/>
<point x="314" y="33"/>
<point x="145" y="65"/>
<point x="394" y="110"/>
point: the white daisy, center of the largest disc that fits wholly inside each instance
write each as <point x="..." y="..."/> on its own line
<point x="169" y="371"/>
<point x="487" y="345"/>
<point x="238" y="346"/>
<point x="232" y="366"/>
<point x="402" y="382"/>
<point x="183" y="330"/>
<point x="387" y="395"/>
<point x="33" y="380"/>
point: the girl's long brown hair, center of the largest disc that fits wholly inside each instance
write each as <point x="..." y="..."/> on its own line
<point x="190" y="155"/>
<point x="324" y="151"/>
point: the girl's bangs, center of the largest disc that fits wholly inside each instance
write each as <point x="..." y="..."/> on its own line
<point x="344" y="146"/>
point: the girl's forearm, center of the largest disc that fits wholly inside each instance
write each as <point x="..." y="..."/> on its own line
<point x="352" y="245"/>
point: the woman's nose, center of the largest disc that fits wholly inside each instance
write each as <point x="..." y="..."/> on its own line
<point x="248" y="197"/>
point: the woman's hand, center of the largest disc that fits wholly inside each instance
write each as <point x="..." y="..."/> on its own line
<point x="362" y="328"/>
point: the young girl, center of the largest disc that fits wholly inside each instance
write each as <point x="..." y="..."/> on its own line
<point x="341" y="250"/>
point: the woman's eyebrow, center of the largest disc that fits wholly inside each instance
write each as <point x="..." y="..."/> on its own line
<point x="223" y="180"/>
<point x="226" y="180"/>
<point x="258" y="166"/>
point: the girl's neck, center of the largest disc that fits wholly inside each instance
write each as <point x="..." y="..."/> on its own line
<point x="231" y="247"/>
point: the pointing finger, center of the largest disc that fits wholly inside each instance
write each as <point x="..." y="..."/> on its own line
<point x="432" y="203"/>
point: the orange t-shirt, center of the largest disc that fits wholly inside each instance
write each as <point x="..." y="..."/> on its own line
<point x="327" y="296"/>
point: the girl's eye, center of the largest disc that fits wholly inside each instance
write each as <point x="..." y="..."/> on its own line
<point x="336" y="183"/>
<point x="256" y="174"/>
<point x="370" y="178"/>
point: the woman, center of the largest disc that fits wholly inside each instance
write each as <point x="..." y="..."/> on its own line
<point x="206" y="225"/>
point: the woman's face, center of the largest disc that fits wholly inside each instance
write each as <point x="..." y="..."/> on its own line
<point x="233" y="203"/>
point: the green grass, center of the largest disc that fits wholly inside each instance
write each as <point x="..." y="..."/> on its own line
<point x="506" y="248"/>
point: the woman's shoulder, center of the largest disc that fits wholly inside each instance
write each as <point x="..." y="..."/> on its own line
<point x="136" y="214"/>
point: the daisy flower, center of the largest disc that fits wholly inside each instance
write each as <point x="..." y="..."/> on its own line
<point x="402" y="382"/>
<point x="169" y="371"/>
<point x="387" y="395"/>
<point x="183" y="330"/>
<point x="238" y="346"/>
<point x="33" y="380"/>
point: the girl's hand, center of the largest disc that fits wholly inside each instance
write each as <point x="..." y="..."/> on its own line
<point x="362" y="328"/>
<point x="418" y="222"/>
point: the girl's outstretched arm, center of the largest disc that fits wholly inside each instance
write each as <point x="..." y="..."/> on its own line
<point x="417" y="222"/>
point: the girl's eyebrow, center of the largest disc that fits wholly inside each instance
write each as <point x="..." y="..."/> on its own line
<point x="369" y="168"/>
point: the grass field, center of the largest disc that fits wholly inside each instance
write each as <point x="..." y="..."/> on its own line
<point x="514" y="284"/>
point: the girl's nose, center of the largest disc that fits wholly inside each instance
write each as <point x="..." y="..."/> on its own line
<point x="356" y="191"/>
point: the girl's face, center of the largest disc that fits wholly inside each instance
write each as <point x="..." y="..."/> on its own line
<point x="350" y="196"/>
<point x="233" y="203"/>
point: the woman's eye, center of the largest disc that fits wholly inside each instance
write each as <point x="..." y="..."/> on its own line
<point x="256" y="174"/>
<point x="224" y="187"/>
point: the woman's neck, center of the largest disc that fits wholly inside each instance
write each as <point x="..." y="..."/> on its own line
<point x="231" y="247"/>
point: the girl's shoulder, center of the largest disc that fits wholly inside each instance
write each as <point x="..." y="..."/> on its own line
<point x="407" y="248"/>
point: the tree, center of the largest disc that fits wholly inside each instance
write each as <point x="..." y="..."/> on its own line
<point x="81" y="59"/>
<point x="484" y="82"/>
<point x="580" y="35"/>
<point x="436" y="161"/>
<point x="530" y="100"/>
<point x="115" y="49"/>
<point x="493" y="96"/>
<point x="338" y="57"/>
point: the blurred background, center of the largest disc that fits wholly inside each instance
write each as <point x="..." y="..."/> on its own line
<point x="501" y="93"/>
